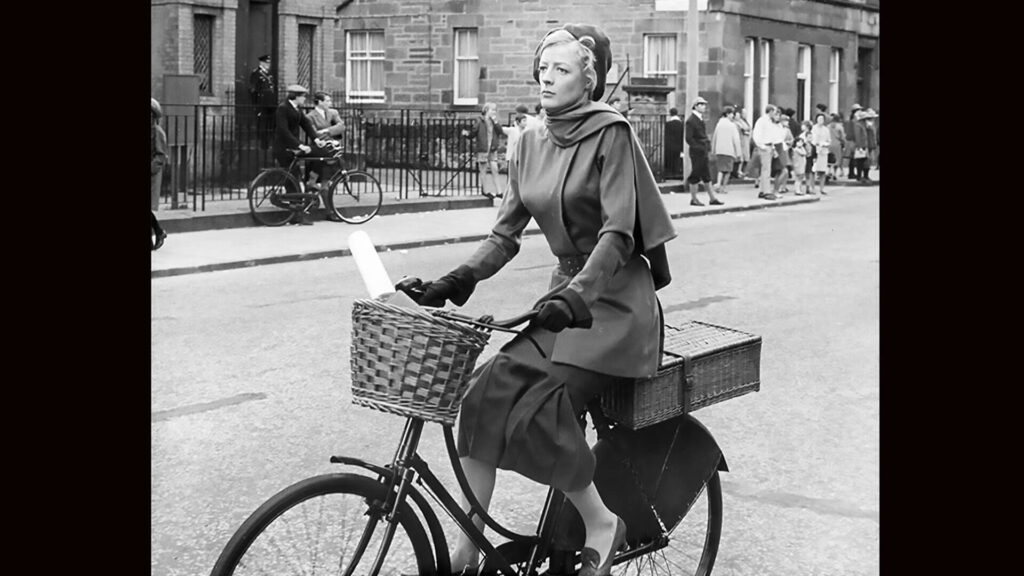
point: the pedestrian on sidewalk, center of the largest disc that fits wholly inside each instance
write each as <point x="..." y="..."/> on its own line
<point x="289" y="118"/>
<point x="851" y="144"/>
<point x="532" y="120"/>
<point x="486" y="141"/>
<point x="765" y="135"/>
<point x="860" y="150"/>
<point x="801" y="153"/>
<point x="263" y="97"/>
<point x="696" y="137"/>
<point x="726" y="147"/>
<point x="821" y="141"/>
<point x="745" y="146"/>
<point x="329" y="128"/>
<point x="837" y="147"/>
<point x="158" y="155"/>
<point x="869" y="124"/>
<point x="783" y="152"/>
<point x="586" y="182"/>
<point x="673" y="144"/>
<point x="520" y="123"/>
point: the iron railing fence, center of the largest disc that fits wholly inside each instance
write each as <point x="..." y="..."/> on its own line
<point x="216" y="150"/>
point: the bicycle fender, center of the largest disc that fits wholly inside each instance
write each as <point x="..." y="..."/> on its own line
<point x="441" y="558"/>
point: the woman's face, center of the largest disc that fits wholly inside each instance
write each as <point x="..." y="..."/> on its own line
<point x="562" y="81"/>
<point x="820" y="120"/>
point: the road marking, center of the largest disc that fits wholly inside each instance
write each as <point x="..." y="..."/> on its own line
<point x="162" y="415"/>
<point x="788" y="500"/>
<point x="698" y="303"/>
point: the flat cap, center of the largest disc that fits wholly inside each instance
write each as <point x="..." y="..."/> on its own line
<point x="299" y="88"/>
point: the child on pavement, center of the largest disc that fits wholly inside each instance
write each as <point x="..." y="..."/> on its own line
<point x="800" y="154"/>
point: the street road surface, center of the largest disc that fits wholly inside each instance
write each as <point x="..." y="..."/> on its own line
<point x="250" y="385"/>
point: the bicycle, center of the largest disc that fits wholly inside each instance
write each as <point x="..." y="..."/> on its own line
<point x="653" y="477"/>
<point x="276" y="195"/>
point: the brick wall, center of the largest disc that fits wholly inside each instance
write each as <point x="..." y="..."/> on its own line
<point x="419" y="69"/>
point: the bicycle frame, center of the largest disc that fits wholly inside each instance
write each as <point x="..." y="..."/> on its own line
<point x="310" y="198"/>
<point x="702" y="456"/>
<point x="407" y="467"/>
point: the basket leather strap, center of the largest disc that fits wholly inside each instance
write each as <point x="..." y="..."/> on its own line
<point x="661" y="330"/>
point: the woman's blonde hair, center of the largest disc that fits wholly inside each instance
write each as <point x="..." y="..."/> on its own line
<point x="584" y="50"/>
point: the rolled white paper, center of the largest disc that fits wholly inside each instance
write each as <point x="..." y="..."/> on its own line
<point x="375" y="277"/>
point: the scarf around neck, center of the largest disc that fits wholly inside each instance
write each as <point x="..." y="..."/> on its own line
<point x="571" y="125"/>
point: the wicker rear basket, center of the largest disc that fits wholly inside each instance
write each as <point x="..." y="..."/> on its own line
<point x="703" y="364"/>
<point x="408" y="362"/>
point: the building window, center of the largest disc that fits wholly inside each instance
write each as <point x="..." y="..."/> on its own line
<point x="306" y="64"/>
<point x="364" y="73"/>
<point x="803" y="82"/>
<point x="748" y="81"/>
<point x="833" y="79"/>
<point x="764" y="73"/>
<point x="660" y="55"/>
<point x="202" y="52"/>
<point x="467" y="66"/>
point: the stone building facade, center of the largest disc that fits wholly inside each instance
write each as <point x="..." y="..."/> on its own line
<point x="458" y="54"/>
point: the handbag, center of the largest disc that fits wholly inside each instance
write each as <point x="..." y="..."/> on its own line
<point x="860" y="153"/>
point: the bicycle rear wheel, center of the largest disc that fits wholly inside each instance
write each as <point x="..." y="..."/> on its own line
<point x="692" y="543"/>
<point x="315" y="527"/>
<point x="356" y="196"/>
<point x="265" y="202"/>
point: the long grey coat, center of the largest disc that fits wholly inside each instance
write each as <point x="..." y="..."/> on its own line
<point x="584" y="197"/>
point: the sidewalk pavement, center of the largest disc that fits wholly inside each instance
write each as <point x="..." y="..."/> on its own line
<point x="225" y="249"/>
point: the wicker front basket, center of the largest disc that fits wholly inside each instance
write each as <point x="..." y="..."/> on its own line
<point x="703" y="364"/>
<point x="408" y="362"/>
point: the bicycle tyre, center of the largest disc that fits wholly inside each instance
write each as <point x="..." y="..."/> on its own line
<point x="261" y="544"/>
<point x="679" y="556"/>
<point x="262" y="192"/>
<point x="356" y="196"/>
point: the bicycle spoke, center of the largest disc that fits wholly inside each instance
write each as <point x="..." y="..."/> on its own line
<point x="321" y="536"/>
<point x="356" y="197"/>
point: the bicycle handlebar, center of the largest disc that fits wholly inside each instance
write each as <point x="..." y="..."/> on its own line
<point x="488" y="321"/>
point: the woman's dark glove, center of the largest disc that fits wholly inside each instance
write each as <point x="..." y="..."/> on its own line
<point x="563" y="310"/>
<point x="456" y="286"/>
<point x="554" y="315"/>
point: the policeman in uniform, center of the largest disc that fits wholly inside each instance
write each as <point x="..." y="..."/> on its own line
<point x="263" y="96"/>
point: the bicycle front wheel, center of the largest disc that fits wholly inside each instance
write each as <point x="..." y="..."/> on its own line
<point x="265" y="202"/>
<point x="356" y="196"/>
<point x="331" y="524"/>
<point x="692" y="543"/>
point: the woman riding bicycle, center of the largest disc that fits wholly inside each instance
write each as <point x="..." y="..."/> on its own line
<point x="584" y="178"/>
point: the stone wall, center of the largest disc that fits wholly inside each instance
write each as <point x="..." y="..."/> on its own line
<point x="419" y="68"/>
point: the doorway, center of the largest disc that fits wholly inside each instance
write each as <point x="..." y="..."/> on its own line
<point x="865" y="67"/>
<point x="256" y="35"/>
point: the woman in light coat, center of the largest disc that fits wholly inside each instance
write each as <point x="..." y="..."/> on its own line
<point x="821" y="141"/>
<point x="744" y="127"/>
<point x="726" y="147"/>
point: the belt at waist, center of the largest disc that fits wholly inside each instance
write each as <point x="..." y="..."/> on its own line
<point x="571" y="265"/>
